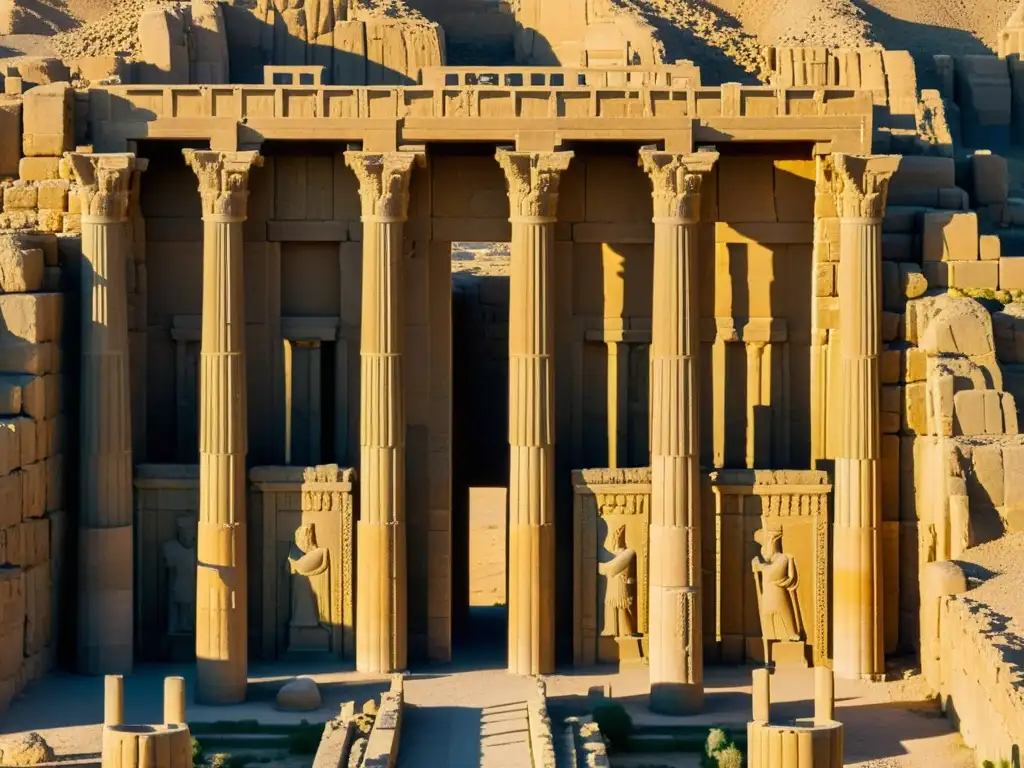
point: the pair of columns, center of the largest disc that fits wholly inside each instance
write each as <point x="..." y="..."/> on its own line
<point x="533" y="183"/>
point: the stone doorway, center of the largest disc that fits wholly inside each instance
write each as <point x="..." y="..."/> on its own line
<point x="480" y="454"/>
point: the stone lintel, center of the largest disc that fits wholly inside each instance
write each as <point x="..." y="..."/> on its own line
<point x="223" y="181"/>
<point x="676" y="180"/>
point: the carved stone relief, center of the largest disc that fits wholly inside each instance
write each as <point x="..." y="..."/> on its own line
<point x="180" y="558"/>
<point x="309" y="567"/>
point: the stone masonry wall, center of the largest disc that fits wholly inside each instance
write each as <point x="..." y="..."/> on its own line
<point x="982" y="687"/>
<point x="32" y="521"/>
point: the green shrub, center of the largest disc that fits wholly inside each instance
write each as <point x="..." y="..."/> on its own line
<point x="717" y="741"/>
<point x="730" y="757"/>
<point x="615" y="723"/>
<point x="197" y="753"/>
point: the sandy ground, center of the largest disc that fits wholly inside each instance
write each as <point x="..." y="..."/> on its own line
<point x="487" y="524"/>
<point x="997" y="579"/>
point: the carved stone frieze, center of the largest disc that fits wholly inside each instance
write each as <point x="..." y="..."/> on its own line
<point x="384" y="180"/>
<point x="860" y="183"/>
<point x="223" y="180"/>
<point x="677" y="181"/>
<point x="533" y="180"/>
<point x="104" y="183"/>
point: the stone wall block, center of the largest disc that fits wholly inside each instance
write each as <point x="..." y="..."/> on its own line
<point x="33" y="500"/>
<point x="950" y="236"/>
<point x="49" y="125"/>
<point x="33" y="317"/>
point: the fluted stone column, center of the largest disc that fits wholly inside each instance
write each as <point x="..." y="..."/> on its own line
<point x="676" y="655"/>
<point x="860" y="185"/>
<point x="106" y="568"/>
<point x="222" y="570"/>
<point x="381" y="609"/>
<point x="533" y="179"/>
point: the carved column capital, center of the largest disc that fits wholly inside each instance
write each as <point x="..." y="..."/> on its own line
<point x="533" y="179"/>
<point x="676" y="180"/>
<point x="104" y="183"/>
<point x="384" y="180"/>
<point x="860" y="183"/>
<point x="223" y="181"/>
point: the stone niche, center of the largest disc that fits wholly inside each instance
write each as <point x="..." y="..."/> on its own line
<point x="605" y="501"/>
<point x="736" y="504"/>
<point x="303" y="509"/>
<point x="301" y="561"/>
<point x="744" y="501"/>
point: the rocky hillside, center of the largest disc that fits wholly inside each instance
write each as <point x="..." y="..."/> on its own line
<point x="723" y="36"/>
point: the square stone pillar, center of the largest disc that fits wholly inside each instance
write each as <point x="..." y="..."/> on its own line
<point x="676" y="654"/>
<point x="222" y="569"/>
<point x="105" y="583"/>
<point x="860" y="186"/>
<point x="381" y="608"/>
<point x="533" y="179"/>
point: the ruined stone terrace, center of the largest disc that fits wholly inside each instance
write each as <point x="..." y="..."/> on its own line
<point x="533" y="108"/>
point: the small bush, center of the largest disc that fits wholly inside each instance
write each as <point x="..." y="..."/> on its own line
<point x="197" y="753"/>
<point x="615" y="723"/>
<point x="717" y="741"/>
<point x="730" y="757"/>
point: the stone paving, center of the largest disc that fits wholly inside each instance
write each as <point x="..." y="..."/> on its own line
<point x="465" y="720"/>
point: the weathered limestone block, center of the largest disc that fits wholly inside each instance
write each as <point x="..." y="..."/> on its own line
<point x="951" y="326"/>
<point x="32" y="317"/>
<point x="21" y="267"/>
<point x="39" y="168"/>
<point x="299" y="695"/>
<point x="49" y="125"/>
<point x="21" y="356"/>
<point x="10" y="449"/>
<point x="919" y="173"/>
<point x="27" y="438"/>
<point x="912" y="281"/>
<point x="10" y="396"/>
<point x="33" y="490"/>
<point x="397" y="50"/>
<point x="962" y="274"/>
<point x="20" y="196"/>
<point x="209" y="43"/>
<point x="28" y="749"/>
<point x="989" y="248"/>
<point x="950" y="236"/>
<point x="10" y="136"/>
<point x="35" y="542"/>
<point x="164" y="58"/>
<point x="991" y="178"/>
<point x="52" y="194"/>
<point x="985" y="96"/>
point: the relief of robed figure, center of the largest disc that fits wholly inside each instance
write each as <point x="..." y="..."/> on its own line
<point x="620" y="586"/>
<point x="776" y="580"/>
<point x="310" y="575"/>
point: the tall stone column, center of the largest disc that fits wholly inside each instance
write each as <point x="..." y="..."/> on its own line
<point x="860" y="185"/>
<point x="533" y="179"/>
<point x="222" y="569"/>
<point x="676" y="655"/>
<point x="381" y="609"/>
<point x="106" y="569"/>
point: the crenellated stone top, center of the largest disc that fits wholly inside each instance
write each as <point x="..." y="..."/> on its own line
<point x="533" y="179"/>
<point x="860" y="183"/>
<point x="223" y="180"/>
<point x="104" y="183"/>
<point x="676" y="180"/>
<point x="384" y="180"/>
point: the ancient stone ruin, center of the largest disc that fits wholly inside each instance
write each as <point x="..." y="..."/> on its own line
<point x="286" y="296"/>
